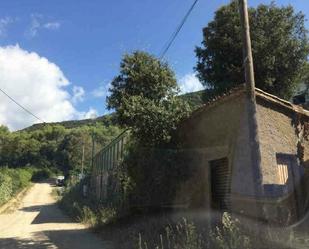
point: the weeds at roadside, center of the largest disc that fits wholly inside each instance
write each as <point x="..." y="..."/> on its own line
<point x="146" y="232"/>
<point x="229" y="235"/>
<point x="15" y="201"/>
<point x="186" y="235"/>
<point x="84" y="209"/>
<point x="183" y="235"/>
<point x="161" y="231"/>
<point x="57" y="193"/>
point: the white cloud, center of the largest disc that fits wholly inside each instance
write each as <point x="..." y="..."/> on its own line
<point x="91" y="113"/>
<point x="38" y="23"/>
<point x="101" y="91"/>
<point x="78" y="94"/>
<point x="4" y="23"/>
<point x="190" y="83"/>
<point x="52" y="25"/>
<point x="35" y="25"/>
<point x="35" y="83"/>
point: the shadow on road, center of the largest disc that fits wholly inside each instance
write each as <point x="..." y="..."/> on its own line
<point x="49" y="213"/>
<point x="62" y="239"/>
<point x="14" y="243"/>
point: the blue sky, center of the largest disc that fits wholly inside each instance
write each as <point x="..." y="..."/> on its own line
<point x="86" y="39"/>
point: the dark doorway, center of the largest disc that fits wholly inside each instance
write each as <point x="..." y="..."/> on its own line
<point x="220" y="184"/>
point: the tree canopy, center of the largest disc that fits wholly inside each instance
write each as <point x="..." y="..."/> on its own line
<point x="53" y="146"/>
<point x="153" y="124"/>
<point x="144" y="75"/>
<point x="279" y="46"/>
<point x="144" y="96"/>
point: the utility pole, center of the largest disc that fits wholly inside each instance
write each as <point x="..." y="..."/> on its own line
<point x="83" y="158"/>
<point x="247" y="52"/>
<point x="92" y="150"/>
<point x="250" y="99"/>
<point x="93" y="118"/>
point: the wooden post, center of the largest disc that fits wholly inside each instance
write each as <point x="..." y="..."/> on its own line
<point x="83" y="158"/>
<point x="92" y="150"/>
<point x="247" y="53"/>
<point x="250" y="102"/>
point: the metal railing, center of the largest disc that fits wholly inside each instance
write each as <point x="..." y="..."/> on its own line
<point x="104" y="165"/>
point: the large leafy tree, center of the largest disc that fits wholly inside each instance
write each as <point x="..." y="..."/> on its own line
<point x="152" y="123"/>
<point x="144" y="96"/>
<point x="279" y="46"/>
<point x="144" y="75"/>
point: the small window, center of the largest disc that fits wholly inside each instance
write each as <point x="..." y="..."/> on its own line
<point x="285" y="164"/>
<point x="283" y="173"/>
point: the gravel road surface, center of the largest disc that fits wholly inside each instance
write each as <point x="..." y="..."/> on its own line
<point x="38" y="224"/>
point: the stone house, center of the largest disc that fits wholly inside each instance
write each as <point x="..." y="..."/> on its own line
<point x="218" y="133"/>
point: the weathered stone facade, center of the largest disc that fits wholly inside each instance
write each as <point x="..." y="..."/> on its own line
<point x="220" y="130"/>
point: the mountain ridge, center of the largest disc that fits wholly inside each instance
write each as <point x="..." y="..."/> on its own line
<point x="194" y="99"/>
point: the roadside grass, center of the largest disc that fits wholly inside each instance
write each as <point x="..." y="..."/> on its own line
<point x="167" y="231"/>
<point x="12" y="181"/>
<point x="57" y="193"/>
<point x="170" y="230"/>
<point x="15" y="201"/>
<point x="152" y="230"/>
<point x="186" y="233"/>
<point x="175" y="231"/>
<point x="83" y="209"/>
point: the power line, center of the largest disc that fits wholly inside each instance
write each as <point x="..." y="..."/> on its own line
<point x="174" y="35"/>
<point x="25" y="109"/>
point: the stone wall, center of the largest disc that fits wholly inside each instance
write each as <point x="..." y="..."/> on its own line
<point x="213" y="126"/>
<point x="277" y="139"/>
<point x="278" y="144"/>
<point x="215" y="132"/>
<point x="221" y="130"/>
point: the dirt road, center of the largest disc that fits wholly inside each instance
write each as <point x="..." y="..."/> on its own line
<point x="38" y="224"/>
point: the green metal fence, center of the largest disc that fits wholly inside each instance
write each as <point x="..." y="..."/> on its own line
<point x="105" y="162"/>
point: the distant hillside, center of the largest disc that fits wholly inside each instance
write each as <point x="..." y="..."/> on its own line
<point x="107" y="120"/>
<point x="195" y="99"/>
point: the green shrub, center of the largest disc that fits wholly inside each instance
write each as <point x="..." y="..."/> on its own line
<point x="13" y="180"/>
<point x="6" y="189"/>
<point x="71" y="201"/>
<point x="88" y="216"/>
<point x="20" y="178"/>
<point x="106" y="215"/>
<point x="24" y="177"/>
<point x="156" y="174"/>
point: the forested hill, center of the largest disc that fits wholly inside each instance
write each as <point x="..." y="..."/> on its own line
<point x="105" y="120"/>
<point x="195" y="99"/>
<point x="59" y="145"/>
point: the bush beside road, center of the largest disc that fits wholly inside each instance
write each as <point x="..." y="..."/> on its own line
<point x="13" y="181"/>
